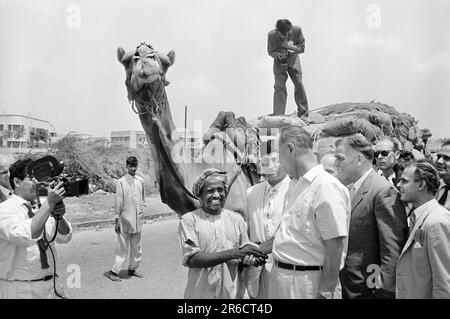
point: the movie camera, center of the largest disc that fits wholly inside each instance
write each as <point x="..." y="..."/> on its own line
<point x="48" y="170"/>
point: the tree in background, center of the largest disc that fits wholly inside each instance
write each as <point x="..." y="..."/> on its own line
<point x="99" y="161"/>
<point x="37" y="135"/>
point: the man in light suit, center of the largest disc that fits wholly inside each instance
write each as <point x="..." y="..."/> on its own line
<point x="423" y="269"/>
<point x="378" y="226"/>
<point x="264" y="208"/>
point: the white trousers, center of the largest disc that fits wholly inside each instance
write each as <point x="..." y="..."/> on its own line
<point x="27" y="290"/>
<point x="290" y="284"/>
<point x="127" y="245"/>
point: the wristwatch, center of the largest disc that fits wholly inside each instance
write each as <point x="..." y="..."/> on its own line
<point x="326" y="294"/>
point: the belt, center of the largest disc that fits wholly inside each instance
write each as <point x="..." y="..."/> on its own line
<point x="297" y="267"/>
<point x="46" y="278"/>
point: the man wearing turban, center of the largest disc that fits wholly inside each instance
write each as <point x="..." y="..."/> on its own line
<point x="214" y="241"/>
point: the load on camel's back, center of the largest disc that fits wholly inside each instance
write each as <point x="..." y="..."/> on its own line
<point x="373" y="120"/>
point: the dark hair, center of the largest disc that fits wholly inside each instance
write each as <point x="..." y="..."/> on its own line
<point x="297" y="136"/>
<point x="283" y="25"/>
<point x="446" y="143"/>
<point x="132" y="161"/>
<point x="19" y="169"/>
<point x="360" y="144"/>
<point x="425" y="171"/>
<point x="395" y="145"/>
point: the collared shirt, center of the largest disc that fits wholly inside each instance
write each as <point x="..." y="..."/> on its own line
<point x="271" y="211"/>
<point x="440" y="192"/>
<point x="130" y="203"/>
<point x="361" y="180"/>
<point x="19" y="253"/>
<point x="200" y="231"/>
<point x="317" y="209"/>
<point x="7" y="192"/>
<point x="391" y="178"/>
<point x="423" y="208"/>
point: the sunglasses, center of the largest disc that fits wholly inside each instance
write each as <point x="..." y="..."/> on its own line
<point x="444" y="157"/>
<point x="406" y="155"/>
<point x="383" y="153"/>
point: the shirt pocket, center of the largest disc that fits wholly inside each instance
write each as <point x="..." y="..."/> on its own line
<point x="301" y="214"/>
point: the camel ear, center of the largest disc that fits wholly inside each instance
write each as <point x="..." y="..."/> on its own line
<point x="171" y="56"/>
<point x="123" y="57"/>
<point x="167" y="60"/>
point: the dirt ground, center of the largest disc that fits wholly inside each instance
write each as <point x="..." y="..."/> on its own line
<point x="100" y="206"/>
<point x="90" y="255"/>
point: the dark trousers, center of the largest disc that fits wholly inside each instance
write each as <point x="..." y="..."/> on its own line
<point x="281" y="73"/>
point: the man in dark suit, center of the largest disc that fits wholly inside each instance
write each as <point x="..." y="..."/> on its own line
<point x="443" y="167"/>
<point x="284" y="44"/>
<point x="5" y="187"/>
<point x="378" y="227"/>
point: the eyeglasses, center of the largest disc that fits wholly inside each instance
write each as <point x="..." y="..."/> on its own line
<point x="383" y="153"/>
<point x="406" y="155"/>
<point x="446" y="158"/>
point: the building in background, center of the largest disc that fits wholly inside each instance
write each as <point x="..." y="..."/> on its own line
<point x="193" y="142"/>
<point x="19" y="133"/>
<point x="130" y="139"/>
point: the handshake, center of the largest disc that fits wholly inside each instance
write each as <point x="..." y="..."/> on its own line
<point x="251" y="255"/>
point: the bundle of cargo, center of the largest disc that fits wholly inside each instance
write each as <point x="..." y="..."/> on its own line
<point x="373" y="120"/>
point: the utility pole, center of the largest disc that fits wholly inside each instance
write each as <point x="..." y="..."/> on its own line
<point x="185" y="127"/>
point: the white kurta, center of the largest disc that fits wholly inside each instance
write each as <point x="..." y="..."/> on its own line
<point x="264" y="216"/>
<point x="19" y="253"/>
<point x="200" y="231"/>
<point x="130" y="203"/>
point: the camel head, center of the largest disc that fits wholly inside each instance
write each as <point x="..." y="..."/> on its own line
<point x="145" y="65"/>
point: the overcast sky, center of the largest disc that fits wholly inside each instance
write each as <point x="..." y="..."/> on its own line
<point x="64" y="70"/>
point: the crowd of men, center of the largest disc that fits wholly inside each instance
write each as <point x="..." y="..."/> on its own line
<point x="369" y="221"/>
<point x="363" y="221"/>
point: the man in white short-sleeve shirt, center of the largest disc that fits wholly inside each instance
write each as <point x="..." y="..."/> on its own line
<point x="310" y="246"/>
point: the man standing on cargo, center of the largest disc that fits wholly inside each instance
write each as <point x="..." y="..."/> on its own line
<point x="284" y="44"/>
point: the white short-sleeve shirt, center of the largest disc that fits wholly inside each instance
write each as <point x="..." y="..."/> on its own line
<point x="317" y="208"/>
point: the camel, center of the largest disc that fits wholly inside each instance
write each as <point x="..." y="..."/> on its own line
<point x="175" y="169"/>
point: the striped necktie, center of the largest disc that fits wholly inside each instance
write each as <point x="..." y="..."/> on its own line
<point x="42" y="243"/>
<point x="412" y="221"/>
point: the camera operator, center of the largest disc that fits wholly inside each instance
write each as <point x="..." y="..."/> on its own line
<point x="26" y="265"/>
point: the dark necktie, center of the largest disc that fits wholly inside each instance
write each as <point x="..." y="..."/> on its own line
<point x="443" y="198"/>
<point x="412" y="221"/>
<point x="42" y="243"/>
